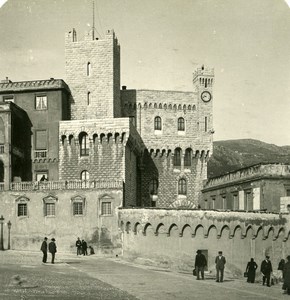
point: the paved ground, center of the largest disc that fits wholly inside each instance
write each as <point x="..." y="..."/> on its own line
<point x="112" y="278"/>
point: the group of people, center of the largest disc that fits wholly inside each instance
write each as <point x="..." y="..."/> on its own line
<point x="266" y="269"/>
<point x="51" y="247"/>
<point x="82" y="247"/>
<point x="201" y="263"/>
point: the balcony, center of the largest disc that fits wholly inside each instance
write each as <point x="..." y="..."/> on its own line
<point x="40" y="153"/>
<point x="63" y="185"/>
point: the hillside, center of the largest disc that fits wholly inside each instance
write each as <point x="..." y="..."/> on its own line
<point x="231" y="155"/>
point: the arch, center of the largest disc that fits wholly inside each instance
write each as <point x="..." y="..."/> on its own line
<point x="179" y="107"/>
<point x="155" y="105"/>
<point x="194" y="108"/>
<point x="137" y="228"/>
<point x="84" y="143"/>
<point x="187" y="157"/>
<point x="123" y="137"/>
<point x="259" y="229"/>
<point x="211" y="228"/>
<point x="63" y="139"/>
<point x="177" y="157"/>
<point x="95" y="138"/>
<point x="146" y="228"/>
<point x="88" y="98"/>
<point x="174" y="107"/>
<point x="165" y="106"/>
<point x="85" y="175"/>
<point x="189" y="107"/>
<point x="150" y="105"/>
<point x="128" y="227"/>
<point x="172" y="227"/>
<point x="182" y="186"/>
<point x="170" y="106"/>
<point x="117" y="137"/>
<point x="185" y="228"/>
<point x="249" y="228"/>
<point x="122" y="226"/>
<point x="281" y="230"/>
<point x="70" y="139"/>
<point x="160" y="229"/>
<point x="238" y="227"/>
<point x="145" y="105"/>
<point x="184" y="107"/>
<point x="109" y="137"/>
<point x="157" y="123"/>
<point x="225" y="227"/>
<point x="197" y="228"/>
<point x="271" y="229"/>
<point x="160" y="105"/>
<point x="181" y="124"/>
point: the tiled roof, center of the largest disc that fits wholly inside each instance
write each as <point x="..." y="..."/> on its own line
<point x="50" y="84"/>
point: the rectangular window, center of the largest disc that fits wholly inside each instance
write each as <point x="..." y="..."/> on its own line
<point x="50" y="209"/>
<point x="224" y="199"/>
<point x="213" y="203"/>
<point x="106" y="208"/>
<point x="205" y="124"/>
<point x="40" y="139"/>
<point x="236" y="202"/>
<point x="8" y="98"/>
<point x="22" y="209"/>
<point x="41" y="102"/>
<point x="288" y="192"/>
<point x="77" y="208"/>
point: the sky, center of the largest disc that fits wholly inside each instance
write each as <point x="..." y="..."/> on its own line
<point x="247" y="42"/>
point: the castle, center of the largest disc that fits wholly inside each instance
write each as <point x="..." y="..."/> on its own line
<point x="123" y="169"/>
<point x="86" y="129"/>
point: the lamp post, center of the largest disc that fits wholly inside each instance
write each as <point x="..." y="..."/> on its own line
<point x="9" y="224"/>
<point x="1" y="237"/>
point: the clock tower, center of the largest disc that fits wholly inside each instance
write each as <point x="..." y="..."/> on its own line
<point x="203" y="80"/>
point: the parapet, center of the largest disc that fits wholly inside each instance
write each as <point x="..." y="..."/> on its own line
<point x="89" y="35"/>
<point x="203" y="71"/>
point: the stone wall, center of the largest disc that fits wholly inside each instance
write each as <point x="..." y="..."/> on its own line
<point x="27" y="232"/>
<point x="170" y="238"/>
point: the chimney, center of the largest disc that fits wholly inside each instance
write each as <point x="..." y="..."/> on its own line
<point x="124" y="87"/>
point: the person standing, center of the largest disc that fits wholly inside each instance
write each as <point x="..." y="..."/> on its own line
<point x="52" y="249"/>
<point x="286" y="276"/>
<point x="220" y="262"/>
<point x="84" y="247"/>
<point x="266" y="269"/>
<point x="200" y="264"/>
<point x="281" y="267"/>
<point x="79" y="246"/>
<point x="43" y="248"/>
<point x="251" y="270"/>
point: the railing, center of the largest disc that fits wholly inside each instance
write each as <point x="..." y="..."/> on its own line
<point x="40" y="154"/>
<point x="63" y="185"/>
<point x="1" y="149"/>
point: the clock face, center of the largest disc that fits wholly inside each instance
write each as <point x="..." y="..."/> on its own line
<point x="206" y="96"/>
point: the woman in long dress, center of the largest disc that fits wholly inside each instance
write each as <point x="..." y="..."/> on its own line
<point x="251" y="270"/>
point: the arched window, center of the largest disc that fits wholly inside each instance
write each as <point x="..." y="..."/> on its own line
<point x="85" y="175"/>
<point x="187" y="158"/>
<point x="84" y="144"/>
<point x="182" y="188"/>
<point x="180" y="124"/>
<point x="88" y="69"/>
<point x="157" y="123"/>
<point x="177" y="157"/>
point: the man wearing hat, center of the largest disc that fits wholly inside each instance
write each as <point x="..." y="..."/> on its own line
<point x="52" y="249"/>
<point x="220" y="262"/>
<point x="200" y="264"/>
<point x="43" y="248"/>
<point x="266" y="269"/>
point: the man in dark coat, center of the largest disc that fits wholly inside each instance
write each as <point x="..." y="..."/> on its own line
<point x="251" y="270"/>
<point x="43" y="248"/>
<point x="52" y="249"/>
<point x="79" y="246"/>
<point x="200" y="264"/>
<point x="286" y="275"/>
<point x="220" y="262"/>
<point x="84" y="247"/>
<point x="266" y="269"/>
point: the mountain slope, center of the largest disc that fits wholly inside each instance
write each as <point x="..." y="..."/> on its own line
<point x="231" y="155"/>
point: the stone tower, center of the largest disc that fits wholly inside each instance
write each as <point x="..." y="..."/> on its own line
<point x="93" y="75"/>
